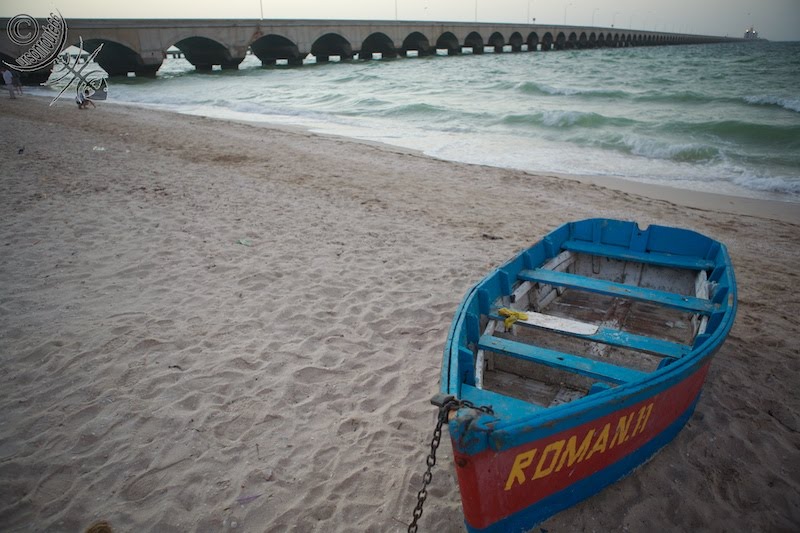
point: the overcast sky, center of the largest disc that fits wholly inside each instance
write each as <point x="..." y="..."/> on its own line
<point x="775" y="19"/>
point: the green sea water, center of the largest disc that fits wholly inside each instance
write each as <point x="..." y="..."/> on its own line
<point x="721" y="117"/>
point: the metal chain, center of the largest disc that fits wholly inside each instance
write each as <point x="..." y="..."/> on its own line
<point x="446" y="404"/>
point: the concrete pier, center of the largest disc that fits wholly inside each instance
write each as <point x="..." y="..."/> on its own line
<point x="140" y="46"/>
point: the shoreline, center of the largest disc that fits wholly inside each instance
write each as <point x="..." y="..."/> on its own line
<point x="784" y="210"/>
<point x="214" y="326"/>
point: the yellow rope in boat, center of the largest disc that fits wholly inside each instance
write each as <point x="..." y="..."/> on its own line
<point x="511" y="316"/>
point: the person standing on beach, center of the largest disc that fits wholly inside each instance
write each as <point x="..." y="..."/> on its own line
<point x="16" y="81"/>
<point x="8" y="79"/>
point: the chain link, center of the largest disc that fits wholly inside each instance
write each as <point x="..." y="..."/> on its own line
<point x="446" y="405"/>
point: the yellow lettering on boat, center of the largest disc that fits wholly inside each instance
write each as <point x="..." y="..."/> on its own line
<point x="571" y="455"/>
<point x="567" y="452"/>
<point x="621" y="433"/>
<point x="601" y="442"/>
<point x="521" y="462"/>
<point x="553" y="449"/>
<point x="644" y="416"/>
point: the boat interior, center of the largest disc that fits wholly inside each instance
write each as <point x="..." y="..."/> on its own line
<point x="592" y="318"/>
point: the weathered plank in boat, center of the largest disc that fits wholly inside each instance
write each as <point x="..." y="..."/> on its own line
<point x="542" y="296"/>
<point x="601" y="334"/>
<point x="480" y="356"/>
<point x="702" y="289"/>
<point x="610" y="288"/>
<point x="510" y="383"/>
<point x="501" y="404"/>
<point x="555" y="323"/>
<point x="564" y="361"/>
<point x="652" y="258"/>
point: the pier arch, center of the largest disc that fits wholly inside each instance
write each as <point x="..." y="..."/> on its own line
<point x="497" y="41"/>
<point x="533" y="41"/>
<point x="118" y="59"/>
<point x="561" y="41"/>
<point x="331" y="44"/>
<point x="5" y="58"/>
<point x="474" y="41"/>
<point x="449" y="42"/>
<point x="204" y="53"/>
<point x="37" y="77"/>
<point x="516" y="41"/>
<point x="572" y="42"/>
<point x="377" y="43"/>
<point x="547" y="41"/>
<point x="583" y="40"/>
<point x="270" y="48"/>
<point x="417" y="41"/>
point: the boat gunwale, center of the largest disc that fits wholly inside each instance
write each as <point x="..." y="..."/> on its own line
<point x="621" y="395"/>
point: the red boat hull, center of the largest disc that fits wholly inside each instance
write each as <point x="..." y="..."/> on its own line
<point x="513" y="482"/>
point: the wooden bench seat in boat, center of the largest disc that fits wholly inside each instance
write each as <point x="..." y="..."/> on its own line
<point x="651" y="258"/>
<point x="610" y="288"/>
<point x="572" y="363"/>
<point x="601" y="334"/>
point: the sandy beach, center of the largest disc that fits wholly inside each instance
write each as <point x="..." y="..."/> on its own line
<point x="213" y="326"/>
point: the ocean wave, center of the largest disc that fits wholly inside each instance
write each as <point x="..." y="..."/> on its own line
<point x="774" y="184"/>
<point x="255" y="108"/>
<point x="680" y="153"/>
<point x="748" y="133"/>
<point x="566" y="119"/>
<point x="659" y="149"/>
<point x="542" y="89"/>
<point x="367" y="102"/>
<point x="792" y="104"/>
<point x="413" y="110"/>
<point x="682" y="97"/>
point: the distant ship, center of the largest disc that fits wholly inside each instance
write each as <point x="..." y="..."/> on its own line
<point x="751" y="34"/>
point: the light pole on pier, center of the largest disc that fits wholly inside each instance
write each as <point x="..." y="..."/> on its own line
<point x="593" y="12"/>
<point x="476" y="10"/>
<point x="261" y="5"/>
<point x="614" y="18"/>
<point x="565" y="13"/>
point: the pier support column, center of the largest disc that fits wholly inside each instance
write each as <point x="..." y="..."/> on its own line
<point x="232" y="64"/>
<point x="147" y="71"/>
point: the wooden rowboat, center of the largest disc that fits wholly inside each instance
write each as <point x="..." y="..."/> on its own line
<point x="576" y="361"/>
